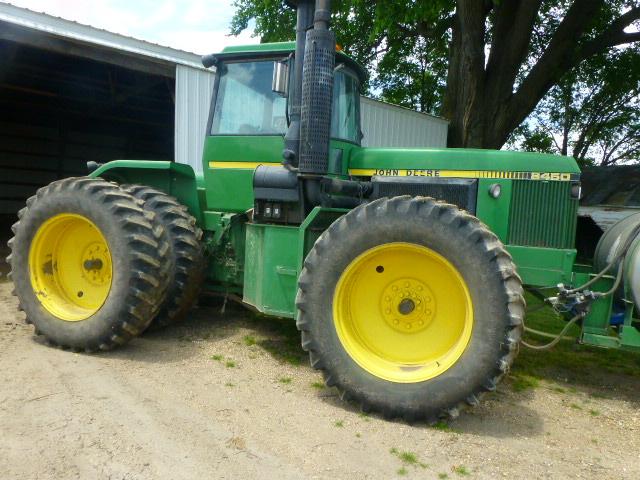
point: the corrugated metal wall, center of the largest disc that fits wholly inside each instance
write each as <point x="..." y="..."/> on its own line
<point x="193" y="98"/>
<point x="386" y="125"/>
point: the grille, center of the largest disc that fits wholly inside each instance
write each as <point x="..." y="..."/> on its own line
<point x="543" y="214"/>
<point x="460" y="192"/>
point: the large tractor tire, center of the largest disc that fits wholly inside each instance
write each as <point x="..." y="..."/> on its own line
<point x="88" y="264"/>
<point x="410" y="307"/>
<point x="186" y="256"/>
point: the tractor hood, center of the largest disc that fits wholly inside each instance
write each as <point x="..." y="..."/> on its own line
<point x="434" y="161"/>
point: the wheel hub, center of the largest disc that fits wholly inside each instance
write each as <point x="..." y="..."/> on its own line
<point x="94" y="258"/>
<point x="408" y="305"/>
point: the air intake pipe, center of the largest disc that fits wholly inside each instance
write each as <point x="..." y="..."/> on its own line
<point x="304" y="22"/>
<point x="317" y="93"/>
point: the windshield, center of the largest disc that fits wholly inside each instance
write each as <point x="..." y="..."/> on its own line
<point x="245" y="104"/>
<point x="345" y="123"/>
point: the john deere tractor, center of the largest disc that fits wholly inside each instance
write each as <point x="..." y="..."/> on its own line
<point x="403" y="269"/>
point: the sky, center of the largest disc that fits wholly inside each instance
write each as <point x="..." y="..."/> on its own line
<point x="199" y="26"/>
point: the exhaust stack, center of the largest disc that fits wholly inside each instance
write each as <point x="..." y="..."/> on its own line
<point x="305" y="11"/>
<point x="307" y="139"/>
<point x="317" y="93"/>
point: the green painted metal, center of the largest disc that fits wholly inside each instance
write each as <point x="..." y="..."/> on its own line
<point x="231" y="189"/>
<point x="175" y="179"/>
<point x="461" y="159"/>
<point x="596" y="328"/>
<point x="597" y="321"/>
<point x="316" y="222"/>
<point x="494" y="212"/>
<point x="543" y="267"/>
<point x="630" y="338"/>
<point x="274" y="259"/>
<point x="260" y="48"/>
<point x="542" y="214"/>
<point x="271" y="268"/>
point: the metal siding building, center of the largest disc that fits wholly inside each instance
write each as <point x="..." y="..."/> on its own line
<point x="78" y="64"/>
<point x="193" y="99"/>
<point x="386" y="125"/>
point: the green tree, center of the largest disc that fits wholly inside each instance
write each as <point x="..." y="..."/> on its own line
<point x="483" y="64"/>
<point x="593" y="113"/>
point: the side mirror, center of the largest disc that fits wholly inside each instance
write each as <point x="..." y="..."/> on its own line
<point x="280" y="83"/>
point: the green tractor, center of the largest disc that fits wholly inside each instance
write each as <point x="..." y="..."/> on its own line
<point x="403" y="269"/>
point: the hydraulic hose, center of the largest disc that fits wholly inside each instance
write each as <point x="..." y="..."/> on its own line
<point x="557" y="338"/>
<point x="619" y="256"/>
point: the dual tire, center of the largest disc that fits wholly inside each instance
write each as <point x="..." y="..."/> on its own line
<point x="94" y="264"/>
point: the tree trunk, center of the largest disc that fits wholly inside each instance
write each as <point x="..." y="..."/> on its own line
<point x="480" y="103"/>
<point x="567" y="94"/>
<point x="465" y="81"/>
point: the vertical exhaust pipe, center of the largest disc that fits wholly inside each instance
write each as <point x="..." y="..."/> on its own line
<point x="317" y="93"/>
<point x="304" y="22"/>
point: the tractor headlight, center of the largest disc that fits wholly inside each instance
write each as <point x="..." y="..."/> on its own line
<point x="495" y="190"/>
<point x="576" y="191"/>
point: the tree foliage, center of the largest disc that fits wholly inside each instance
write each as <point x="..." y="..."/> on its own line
<point x="483" y="64"/>
<point x="593" y="114"/>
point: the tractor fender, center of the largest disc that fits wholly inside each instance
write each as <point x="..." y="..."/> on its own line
<point x="175" y="179"/>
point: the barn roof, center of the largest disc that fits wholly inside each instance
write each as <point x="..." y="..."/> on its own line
<point x="78" y="32"/>
<point x="614" y="186"/>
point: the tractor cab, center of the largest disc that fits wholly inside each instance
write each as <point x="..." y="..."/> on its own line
<point x="251" y="112"/>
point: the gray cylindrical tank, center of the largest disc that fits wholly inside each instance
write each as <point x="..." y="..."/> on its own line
<point x="610" y="244"/>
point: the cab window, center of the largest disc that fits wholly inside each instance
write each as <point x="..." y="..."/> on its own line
<point x="345" y="122"/>
<point x="245" y="104"/>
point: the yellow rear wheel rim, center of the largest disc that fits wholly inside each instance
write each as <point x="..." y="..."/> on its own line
<point x="70" y="267"/>
<point x="403" y="312"/>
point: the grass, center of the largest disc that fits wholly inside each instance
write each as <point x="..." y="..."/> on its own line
<point x="408" y="458"/>
<point x="443" y="476"/>
<point x="285" y="380"/>
<point x="402" y="471"/>
<point x="522" y="382"/>
<point x="230" y="364"/>
<point x="574" y="364"/>
<point x="249" y="340"/>
<point x="594" y="413"/>
<point x="461" y="470"/>
<point x="442" y="426"/>
<point x="317" y="385"/>
<point x="555" y="388"/>
<point x="339" y="424"/>
<point x="575" y="406"/>
<point x="217" y="358"/>
<point x="281" y="339"/>
<point x="229" y="384"/>
<point x="358" y="435"/>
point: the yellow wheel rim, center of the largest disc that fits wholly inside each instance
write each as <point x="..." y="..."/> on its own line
<point x="403" y="312"/>
<point x="70" y="267"/>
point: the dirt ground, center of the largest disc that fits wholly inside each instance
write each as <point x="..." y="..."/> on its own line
<point x="231" y="396"/>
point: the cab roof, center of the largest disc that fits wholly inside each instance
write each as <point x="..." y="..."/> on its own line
<point x="285" y="48"/>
